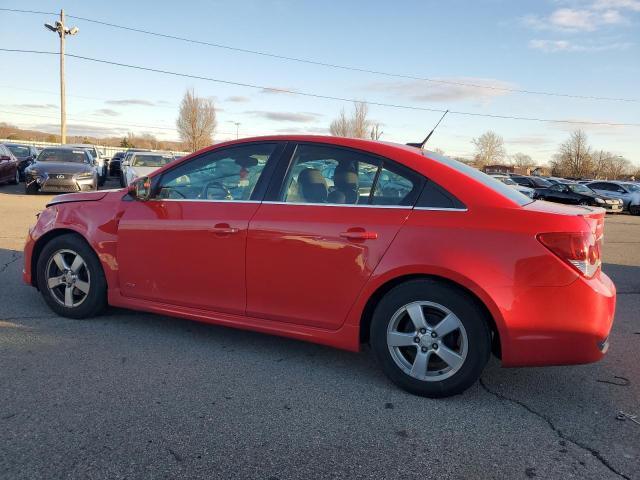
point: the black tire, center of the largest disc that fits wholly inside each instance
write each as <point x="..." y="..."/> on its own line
<point x="95" y="300"/>
<point x="101" y="181"/>
<point x="122" y="182"/>
<point x="634" y="209"/>
<point x="458" y="302"/>
<point x="31" y="189"/>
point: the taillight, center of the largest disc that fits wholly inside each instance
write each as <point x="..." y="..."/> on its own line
<point x="581" y="250"/>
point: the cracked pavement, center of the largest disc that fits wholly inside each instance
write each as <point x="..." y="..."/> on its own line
<point x="135" y="395"/>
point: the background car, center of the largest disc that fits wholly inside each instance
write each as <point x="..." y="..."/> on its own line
<point x="25" y="155"/>
<point x="509" y="181"/>
<point x="114" y="164"/>
<point x="576" y="194"/>
<point x="8" y="166"/>
<point x="531" y="181"/>
<point x="622" y="190"/>
<point x="61" y="169"/>
<point x="141" y="164"/>
<point x="102" y="163"/>
<point x="125" y="161"/>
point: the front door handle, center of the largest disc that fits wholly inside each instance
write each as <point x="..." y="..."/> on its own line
<point x="224" y="229"/>
<point x="359" y="235"/>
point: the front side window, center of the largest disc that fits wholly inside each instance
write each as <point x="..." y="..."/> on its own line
<point x="226" y="174"/>
<point x="322" y="174"/>
<point x="557" y="187"/>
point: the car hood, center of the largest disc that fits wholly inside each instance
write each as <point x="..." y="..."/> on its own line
<point x="61" y="167"/>
<point x="79" y="197"/>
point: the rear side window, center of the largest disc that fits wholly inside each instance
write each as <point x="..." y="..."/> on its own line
<point x="435" y="197"/>
<point x="324" y="174"/>
<point x="496" y="185"/>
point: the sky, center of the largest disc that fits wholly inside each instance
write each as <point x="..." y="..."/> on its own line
<point x="575" y="47"/>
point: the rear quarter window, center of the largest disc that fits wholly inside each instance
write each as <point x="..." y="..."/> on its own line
<point x="506" y="191"/>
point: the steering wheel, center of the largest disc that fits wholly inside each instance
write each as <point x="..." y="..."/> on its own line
<point x="227" y="193"/>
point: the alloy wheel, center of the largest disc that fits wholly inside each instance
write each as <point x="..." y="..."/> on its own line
<point x="68" y="278"/>
<point x="427" y="341"/>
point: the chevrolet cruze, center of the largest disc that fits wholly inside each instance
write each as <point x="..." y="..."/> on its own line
<point x="339" y="241"/>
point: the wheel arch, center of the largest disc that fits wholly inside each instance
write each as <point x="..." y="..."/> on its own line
<point x="43" y="240"/>
<point x="384" y="288"/>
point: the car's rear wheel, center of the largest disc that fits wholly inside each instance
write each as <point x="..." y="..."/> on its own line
<point x="70" y="277"/>
<point x="431" y="338"/>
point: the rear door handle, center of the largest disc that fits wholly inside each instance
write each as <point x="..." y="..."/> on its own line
<point x="359" y="235"/>
<point x="224" y="229"/>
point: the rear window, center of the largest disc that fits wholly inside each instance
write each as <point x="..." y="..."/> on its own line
<point x="19" y="150"/>
<point x="496" y="185"/>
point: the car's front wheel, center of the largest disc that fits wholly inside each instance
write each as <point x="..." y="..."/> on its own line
<point x="431" y="338"/>
<point x="70" y="277"/>
<point x="634" y="209"/>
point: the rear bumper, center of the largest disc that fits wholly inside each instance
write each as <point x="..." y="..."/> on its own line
<point x="560" y="325"/>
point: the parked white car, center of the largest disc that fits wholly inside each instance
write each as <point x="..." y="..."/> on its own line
<point x="521" y="188"/>
<point x="141" y="164"/>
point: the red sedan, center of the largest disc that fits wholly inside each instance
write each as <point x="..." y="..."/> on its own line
<point x="339" y="241"/>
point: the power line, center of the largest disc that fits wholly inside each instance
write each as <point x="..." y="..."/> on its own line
<point x="335" y="65"/>
<point x="324" y="97"/>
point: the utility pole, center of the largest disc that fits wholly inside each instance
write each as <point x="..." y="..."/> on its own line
<point x="237" y="128"/>
<point x="62" y="32"/>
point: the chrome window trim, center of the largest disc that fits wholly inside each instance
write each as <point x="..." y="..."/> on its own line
<point x="350" y="205"/>
<point x="200" y="200"/>
<point x="442" y="209"/>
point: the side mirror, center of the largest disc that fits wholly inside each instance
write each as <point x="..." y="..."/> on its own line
<point x="141" y="189"/>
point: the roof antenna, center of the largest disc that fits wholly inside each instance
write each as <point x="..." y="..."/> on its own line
<point x="424" y="142"/>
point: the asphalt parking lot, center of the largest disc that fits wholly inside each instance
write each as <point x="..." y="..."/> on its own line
<point x="135" y="395"/>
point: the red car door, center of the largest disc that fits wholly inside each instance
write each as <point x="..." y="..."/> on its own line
<point x="312" y="248"/>
<point x="186" y="246"/>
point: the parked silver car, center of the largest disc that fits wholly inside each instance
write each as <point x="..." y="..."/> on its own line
<point x="628" y="192"/>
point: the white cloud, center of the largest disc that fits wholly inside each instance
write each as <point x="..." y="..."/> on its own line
<point x="555" y="46"/>
<point x="452" y="89"/>
<point x="590" y="18"/>
<point x="301" y="117"/>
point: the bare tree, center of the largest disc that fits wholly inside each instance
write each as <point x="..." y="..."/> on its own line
<point x="196" y="121"/>
<point x="489" y="149"/>
<point x="376" y="133"/>
<point x="574" y="158"/>
<point x="341" y="126"/>
<point x="610" y="166"/>
<point x="357" y="125"/>
<point x="522" y="160"/>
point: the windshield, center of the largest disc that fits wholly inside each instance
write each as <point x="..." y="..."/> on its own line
<point x="150" y="160"/>
<point x="577" y="188"/>
<point x="62" y="155"/>
<point x="541" y="182"/>
<point x="19" y="150"/>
